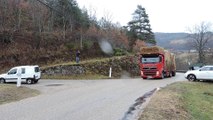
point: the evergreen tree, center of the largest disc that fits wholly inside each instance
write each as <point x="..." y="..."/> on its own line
<point x="139" y="27"/>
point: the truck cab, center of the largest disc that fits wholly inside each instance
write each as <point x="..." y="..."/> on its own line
<point x="151" y="66"/>
<point x="156" y="62"/>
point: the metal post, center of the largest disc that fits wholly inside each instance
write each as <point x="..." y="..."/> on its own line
<point x="110" y="72"/>
<point x="19" y="77"/>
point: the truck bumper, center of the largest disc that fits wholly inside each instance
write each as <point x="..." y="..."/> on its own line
<point x="144" y="75"/>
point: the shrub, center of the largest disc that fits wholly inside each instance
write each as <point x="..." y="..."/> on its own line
<point x="119" y="52"/>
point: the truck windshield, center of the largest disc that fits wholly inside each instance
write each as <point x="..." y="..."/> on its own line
<point x="150" y="60"/>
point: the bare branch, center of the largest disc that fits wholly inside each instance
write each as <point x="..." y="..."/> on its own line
<point x="199" y="37"/>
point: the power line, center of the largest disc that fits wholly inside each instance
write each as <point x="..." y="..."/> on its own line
<point x="59" y="12"/>
<point x="45" y="4"/>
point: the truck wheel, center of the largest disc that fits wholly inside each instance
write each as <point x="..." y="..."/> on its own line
<point x="162" y="75"/>
<point x="170" y="74"/>
<point x="2" y="81"/>
<point x="173" y="73"/>
<point x="29" y="81"/>
<point x="144" y="77"/>
<point x="191" y="77"/>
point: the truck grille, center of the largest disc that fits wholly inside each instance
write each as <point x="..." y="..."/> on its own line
<point x="149" y="71"/>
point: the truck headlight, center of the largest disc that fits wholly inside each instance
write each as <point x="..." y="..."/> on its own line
<point x="157" y="73"/>
<point x="141" y="72"/>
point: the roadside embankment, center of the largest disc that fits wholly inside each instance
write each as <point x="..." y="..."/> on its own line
<point x="181" y="101"/>
<point x="129" y="64"/>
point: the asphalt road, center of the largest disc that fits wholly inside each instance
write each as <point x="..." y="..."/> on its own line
<point x="82" y="99"/>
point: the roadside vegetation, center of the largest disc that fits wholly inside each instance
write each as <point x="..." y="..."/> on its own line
<point x="10" y="93"/>
<point x="181" y="101"/>
<point x="186" y="59"/>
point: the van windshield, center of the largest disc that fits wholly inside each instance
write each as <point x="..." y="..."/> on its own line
<point x="37" y="69"/>
<point x="12" y="71"/>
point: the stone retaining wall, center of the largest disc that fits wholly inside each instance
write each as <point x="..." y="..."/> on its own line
<point x="128" y="64"/>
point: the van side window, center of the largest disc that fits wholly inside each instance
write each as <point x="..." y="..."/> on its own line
<point x="22" y="70"/>
<point x="37" y="69"/>
<point x="13" y="71"/>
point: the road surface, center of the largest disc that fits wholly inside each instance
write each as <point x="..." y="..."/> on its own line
<point x="82" y="99"/>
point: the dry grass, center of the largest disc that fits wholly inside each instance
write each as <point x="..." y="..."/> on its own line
<point x="166" y="104"/>
<point x="181" y="101"/>
<point x="81" y="62"/>
<point x="10" y="93"/>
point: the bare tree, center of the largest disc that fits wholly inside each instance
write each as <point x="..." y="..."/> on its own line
<point x="92" y="14"/>
<point x="106" y="21"/>
<point x="4" y="14"/>
<point x="199" y="38"/>
<point x="38" y="14"/>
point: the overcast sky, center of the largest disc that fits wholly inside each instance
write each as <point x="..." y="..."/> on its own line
<point x="164" y="15"/>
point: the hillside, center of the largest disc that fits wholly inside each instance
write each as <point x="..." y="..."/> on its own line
<point x="32" y="33"/>
<point x="176" y="41"/>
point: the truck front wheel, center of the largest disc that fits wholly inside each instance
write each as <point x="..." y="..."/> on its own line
<point x="162" y="75"/>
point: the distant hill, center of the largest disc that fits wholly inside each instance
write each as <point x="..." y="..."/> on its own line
<point x="176" y="41"/>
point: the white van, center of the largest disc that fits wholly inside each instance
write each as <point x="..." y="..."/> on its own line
<point x="29" y="74"/>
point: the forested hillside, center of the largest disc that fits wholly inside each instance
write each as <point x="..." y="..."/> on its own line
<point x="45" y="31"/>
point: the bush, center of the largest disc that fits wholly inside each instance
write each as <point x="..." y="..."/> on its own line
<point x="70" y="45"/>
<point x="119" y="52"/>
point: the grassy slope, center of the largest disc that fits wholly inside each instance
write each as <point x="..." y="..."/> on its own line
<point x="199" y="100"/>
<point x="181" y="101"/>
<point x="10" y="93"/>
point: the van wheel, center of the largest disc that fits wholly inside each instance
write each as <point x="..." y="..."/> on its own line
<point x="36" y="81"/>
<point x="29" y="81"/>
<point x="2" y="81"/>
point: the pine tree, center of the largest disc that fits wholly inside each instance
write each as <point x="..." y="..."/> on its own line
<point x="139" y="27"/>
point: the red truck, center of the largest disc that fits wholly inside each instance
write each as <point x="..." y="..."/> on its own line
<point x="156" y="62"/>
